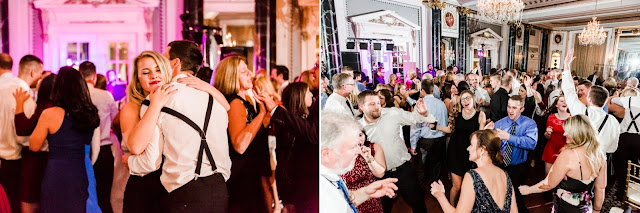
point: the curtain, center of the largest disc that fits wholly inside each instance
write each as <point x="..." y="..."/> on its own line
<point x="589" y="58"/>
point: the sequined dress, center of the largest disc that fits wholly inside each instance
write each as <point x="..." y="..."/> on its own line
<point x="484" y="201"/>
<point x="361" y="176"/>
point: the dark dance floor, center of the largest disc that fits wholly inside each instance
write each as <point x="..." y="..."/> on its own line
<point x="535" y="202"/>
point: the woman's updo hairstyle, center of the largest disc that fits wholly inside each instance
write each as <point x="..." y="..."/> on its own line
<point x="489" y="140"/>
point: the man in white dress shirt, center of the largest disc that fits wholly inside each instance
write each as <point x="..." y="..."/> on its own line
<point x="194" y="181"/>
<point x="482" y="96"/>
<point x="30" y="71"/>
<point x="607" y="126"/>
<point x="337" y="102"/>
<point x="107" y="110"/>
<point x="339" y="149"/>
<point x="383" y="126"/>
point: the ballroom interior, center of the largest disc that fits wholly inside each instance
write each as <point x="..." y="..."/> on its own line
<point x="68" y="32"/>
<point x="403" y="35"/>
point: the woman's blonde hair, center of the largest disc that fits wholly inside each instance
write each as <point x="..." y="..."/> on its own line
<point x="135" y="93"/>
<point x="579" y="129"/>
<point x="392" y="78"/>
<point x="263" y="82"/>
<point x="226" y="77"/>
<point x="399" y="85"/>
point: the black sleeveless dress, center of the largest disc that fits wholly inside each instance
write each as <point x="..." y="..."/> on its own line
<point x="457" y="154"/>
<point x="484" y="201"/>
<point x="246" y="193"/>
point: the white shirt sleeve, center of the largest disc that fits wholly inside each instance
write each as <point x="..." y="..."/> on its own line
<point x="575" y="105"/>
<point x="150" y="159"/>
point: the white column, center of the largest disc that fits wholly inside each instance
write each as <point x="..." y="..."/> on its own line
<point x="504" y="46"/>
<point x="19" y="31"/>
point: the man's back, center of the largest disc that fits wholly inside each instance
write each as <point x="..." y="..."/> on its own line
<point x="182" y="142"/>
<point x="498" y="105"/>
<point x="10" y="143"/>
<point x="107" y="110"/>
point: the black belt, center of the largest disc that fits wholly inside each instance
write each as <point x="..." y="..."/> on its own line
<point x="204" y="147"/>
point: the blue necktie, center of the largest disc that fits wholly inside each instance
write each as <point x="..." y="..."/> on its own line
<point x="346" y="195"/>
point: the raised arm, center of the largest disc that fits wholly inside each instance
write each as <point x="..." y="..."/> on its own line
<point x="241" y="133"/>
<point x="575" y="105"/>
<point x="556" y="174"/>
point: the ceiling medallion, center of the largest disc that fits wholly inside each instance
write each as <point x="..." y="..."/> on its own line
<point x="501" y="10"/>
<point x="593" y="34"/>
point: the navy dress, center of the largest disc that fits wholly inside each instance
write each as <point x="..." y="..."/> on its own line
<point x="65" y="183"/>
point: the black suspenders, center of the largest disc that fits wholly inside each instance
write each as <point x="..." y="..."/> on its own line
<point x="633" y="118"/>
<point x="203" y="132"/>
<point x="606" y="117"/>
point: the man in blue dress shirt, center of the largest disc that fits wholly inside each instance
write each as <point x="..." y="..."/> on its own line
<point x="425" y="140"/>
<point x="519" y="135"/>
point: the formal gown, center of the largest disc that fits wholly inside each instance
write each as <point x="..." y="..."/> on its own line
<point x="457" y="154"/>
<point x="361" y="176"/>
<point x="556" y="141"/>
<point x="65" y="184"/>
<point x="484" y="202"/>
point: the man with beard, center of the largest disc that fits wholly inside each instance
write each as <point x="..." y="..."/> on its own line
<point x="383" y="126"/>
<point x="339" y="149"/>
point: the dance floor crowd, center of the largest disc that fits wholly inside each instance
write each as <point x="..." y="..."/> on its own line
<point x="481" y="135"/>
<point x="176" y="140"/>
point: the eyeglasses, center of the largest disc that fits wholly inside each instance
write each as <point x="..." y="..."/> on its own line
<point x="466" y="98"/>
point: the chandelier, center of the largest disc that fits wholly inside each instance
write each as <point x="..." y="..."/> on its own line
<point x="592" y="34"/>
<point x="501" y="10"/>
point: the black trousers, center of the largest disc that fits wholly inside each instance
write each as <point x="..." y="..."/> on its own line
<point x="142" y="194"/>
<point x="408" y="187"/>
<point x="10" y="181"/>
<point x="628" y="147"/>
<point x="518" y="173"/>
<point x="206" y="194"/>
<point x="103" y="169"/>
<point x="430" y="158"/>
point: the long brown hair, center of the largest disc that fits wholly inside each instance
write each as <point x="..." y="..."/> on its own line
<point x="293" y="97"/>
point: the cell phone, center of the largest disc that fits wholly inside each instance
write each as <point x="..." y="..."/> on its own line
<point x="435" y="125"/>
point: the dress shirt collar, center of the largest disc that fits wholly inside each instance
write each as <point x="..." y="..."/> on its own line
<point x="181" y="75"/>
<point x="327" y="173"/>
<point x="7" y="75"/>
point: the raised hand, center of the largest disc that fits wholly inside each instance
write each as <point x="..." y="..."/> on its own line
<point x="489" y="125"/>
<point x="421" y="108"/>
<point x="381" y="188"/>
<point x="162" y="95"/>
<point x="568" y="59"/>
<point x="437" y="188"/>
<point x="21" y="96"/>
<point x="265" y="99"/>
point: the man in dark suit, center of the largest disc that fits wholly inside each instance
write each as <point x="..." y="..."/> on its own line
<point x="498" y="106"/>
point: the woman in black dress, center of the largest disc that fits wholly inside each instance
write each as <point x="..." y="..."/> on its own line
<point x="477" y="193"/>
<point x="465" y="120"/>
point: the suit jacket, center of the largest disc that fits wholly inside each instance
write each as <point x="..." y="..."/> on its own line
<point x="297" y="155"/>
<point x="498" y="104"/>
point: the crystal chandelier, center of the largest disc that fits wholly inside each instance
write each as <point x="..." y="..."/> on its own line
<point x="592" y="34"/>
<point x="501" y="10"/>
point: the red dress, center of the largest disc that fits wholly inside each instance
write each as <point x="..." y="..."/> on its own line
<point x="557" y="140"/>
<point x="361" y="176"/>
